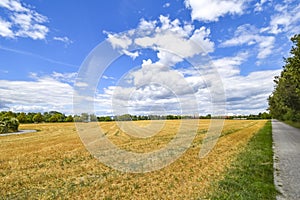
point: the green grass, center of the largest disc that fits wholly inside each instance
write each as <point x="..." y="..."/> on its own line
<point x="294" y="124"/>
<point x="251" y="174"/>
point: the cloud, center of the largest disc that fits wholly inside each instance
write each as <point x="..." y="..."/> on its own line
<point x="119" y="40"/>
<point x="161" y="76"/>
<point x="286" y="19"/>
<point x="248" y="94"/>
<point x="81" y="84"/>
<point x="64" y="77"/>
<point x="5" y="29"/>
<point x="259" y="5"/>
<point x="133" y="55"/>
<point x="108" y="77"/>
<point x="22" y="21"/>
<point x="64" y="40"/>
<point x="249" y="35"/>
<point x="230" y="66"/>
<point x="166" y="5"/>
<point x="13" y="5"/>
<point x="212" y="10"/>
<point x="165" y="92"/>
<point x="164" y="36"/>
<point x="41" y="94"/>
<point x="170" y="91"/>
<point x="145" y="100"/>
<point x="244" y="94"/>
<point x="145" y="25"/>
<point x="159" y="84"/>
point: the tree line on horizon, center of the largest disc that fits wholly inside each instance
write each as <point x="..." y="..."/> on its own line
<point x="55" y="116"/>
<point x="284" y="102"/>
<point x="52" y="116"/>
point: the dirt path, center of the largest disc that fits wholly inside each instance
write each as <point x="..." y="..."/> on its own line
<point x="287" y="160"/>
<point x="18" y="133"/>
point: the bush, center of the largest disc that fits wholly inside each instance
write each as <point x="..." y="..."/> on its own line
<point x="9" y="125"/>
<point x="3" y="127"/>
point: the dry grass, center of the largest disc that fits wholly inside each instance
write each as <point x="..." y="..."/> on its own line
<point x="53" y="163"/>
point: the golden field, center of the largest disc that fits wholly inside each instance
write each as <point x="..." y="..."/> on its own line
<point x="54" y="164"/>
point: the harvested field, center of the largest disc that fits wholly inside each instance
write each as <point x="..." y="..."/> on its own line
<point x="53" y="163"/>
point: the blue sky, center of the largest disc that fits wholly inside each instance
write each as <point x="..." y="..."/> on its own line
<point x="43" y="44"/>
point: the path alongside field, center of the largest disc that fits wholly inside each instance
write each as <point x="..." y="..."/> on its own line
<point x="18" y="133"/>
<point x="287" y="160"/>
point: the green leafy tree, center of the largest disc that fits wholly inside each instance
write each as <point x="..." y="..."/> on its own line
<point x="9" y="124"/>
<point x="125" y="117"/>
<point x="93" y="118"/>
<point x="38" y="118"/>
<point x="84" y="117"/>
<point x="77" y="118"/>
<point x="284" y="102"/>
<point x="107" y="119"/>
<point x="47" y="116"/>
<point x="22" y="117"/>
<point x="54" y="118"/>
<point x="69" y="119"/>
<point x="29" y="117"/>
<point x="9" y="114"/>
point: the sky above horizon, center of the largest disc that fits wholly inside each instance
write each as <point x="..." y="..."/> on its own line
<point x="43" y="45"/>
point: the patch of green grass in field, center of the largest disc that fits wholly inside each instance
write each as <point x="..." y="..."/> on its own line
<point x="251" y="174"/>
<point x="294" y="124"/>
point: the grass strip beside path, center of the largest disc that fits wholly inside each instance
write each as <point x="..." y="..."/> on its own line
<point x="294" y="124"/>
<point x="251" y="174"/>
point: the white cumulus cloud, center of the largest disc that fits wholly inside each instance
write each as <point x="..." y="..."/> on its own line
<point x="248" y="35"/>
<point x="22" y="21"/>
<point x="286" y="19"/>
<point x="212" y="10"/>
<point x="5" y="29"/>
<point x="165" y="36"/>
<point x="44" y="93"/>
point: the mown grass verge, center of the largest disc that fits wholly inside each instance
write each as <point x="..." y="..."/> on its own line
<point x="251" y="174"/>
<point x="294" y="124"/>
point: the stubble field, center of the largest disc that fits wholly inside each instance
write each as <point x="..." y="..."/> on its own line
<point x="53" y="163"/>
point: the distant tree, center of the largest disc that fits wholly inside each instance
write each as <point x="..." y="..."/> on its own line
<point x="47" y="116"/>
<point x="101" y="119"/>
<point x="170" y="117"/>
<point x="134" y="118"/>
<point x="69" y="119"/>
<point x="22" y="117"/>
<point x="108" y="119"/>
<point x="77" y="118"/>
<point x="9" y="114"/>
<point x="125" y="117"/>
<point x="93" y="118"/>
<point x="29" y="117"/>
<point x="84" y="117"/>
<point x="54" y="118"/>
<point x="264" y="115"/>
<point x="37" y="118"/>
